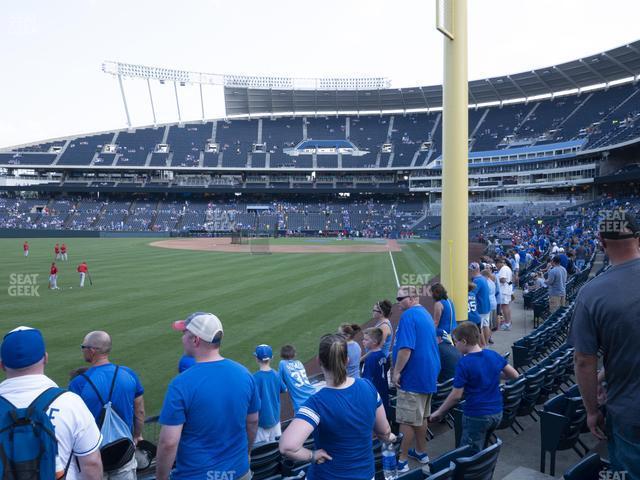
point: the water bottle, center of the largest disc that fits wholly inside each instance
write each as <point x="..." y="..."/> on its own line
<point x="389" y="463"/>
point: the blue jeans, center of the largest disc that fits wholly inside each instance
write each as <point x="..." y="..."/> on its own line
<point x="476" y="430"/>
<point x="623" y="442"/>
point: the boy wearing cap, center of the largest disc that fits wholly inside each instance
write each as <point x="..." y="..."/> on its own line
<point x="209" y="416"/>
<point x="269" y="387"/>
<point x="23" y="360"/>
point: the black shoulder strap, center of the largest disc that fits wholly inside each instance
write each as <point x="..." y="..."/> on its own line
<point x="95" y="389"/>
<point x="113" y="382"/>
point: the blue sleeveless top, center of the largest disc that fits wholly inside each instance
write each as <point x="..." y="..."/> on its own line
<point x="386" y="346"/>
<point x="448" y="317"/>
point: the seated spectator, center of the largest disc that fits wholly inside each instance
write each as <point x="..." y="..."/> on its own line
<point x="23" y="358"/>
<point x="449" y="356"/>
<point x="294" y="376"/>
<point x="376" y="364"/>
<point x="341" y="431"/>
<point x="350" y="330"/>
<point x="269" y="386"/>
<point x="478" y="379"/>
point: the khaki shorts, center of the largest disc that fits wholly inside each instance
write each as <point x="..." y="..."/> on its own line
<point x="413" y="408"/>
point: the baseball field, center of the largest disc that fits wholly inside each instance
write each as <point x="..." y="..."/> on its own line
<point x="139" y="289"/>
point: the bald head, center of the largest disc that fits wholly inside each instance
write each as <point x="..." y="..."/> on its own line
<point x="99" y="341"/>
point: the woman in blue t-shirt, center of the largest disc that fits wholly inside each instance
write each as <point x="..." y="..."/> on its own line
<point x="444" y="315"/>
<point x="341" y="433"/>
<point x="354" y="352"/>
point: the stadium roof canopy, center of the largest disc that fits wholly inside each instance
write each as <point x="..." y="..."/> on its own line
<point x="606" y="67"/>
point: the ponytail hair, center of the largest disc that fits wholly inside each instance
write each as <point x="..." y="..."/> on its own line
<point x="385" y="307"/>
<point x="333" y="356"/>
<point x="349" y="330"/>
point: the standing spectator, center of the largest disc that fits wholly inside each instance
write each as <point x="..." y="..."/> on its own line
<point x="505" y="277"/>
<point x="23" y="360"/>
<point x="557" y="282"/>
<point x="185" y="362"/>
<point x="83" y="269"/>
<point x="94" y="387"/>
<point x="581" y="257"/>
<point x="416" y="367"/>
<point x="478" y="379"/>
<point x="483" y="302"/>
<point x="606" y="317"/>
<point x="376" y="364"/>
<point x="25" y="248"/>
<point x="493" y="303"/>
<point x="472" y="309"/>
<point x="449" y="356"/>
<point x="269" y="387"/>
<point x="209" y="416"/>
<point x="381" y="312"/>
<point x="341" y="418"/>
<point x="53" y="277"/>
<point x="294" y="376"/>
<point x="350" y="330"/>
<point x="444" y="314"/>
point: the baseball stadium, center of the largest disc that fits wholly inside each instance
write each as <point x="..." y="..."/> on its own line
<point x="304" y="205"/>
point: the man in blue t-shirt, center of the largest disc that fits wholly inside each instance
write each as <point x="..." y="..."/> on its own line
<point x="94" y="387"/>
<point x="269" y="387"/>
<point x="209" y="416"/>
<point x="483" y="303"/>
<point x="478" y="378"/>
<point x="416" y="367"/>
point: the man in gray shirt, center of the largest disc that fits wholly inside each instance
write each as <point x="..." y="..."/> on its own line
<point x="607" y="317"/>
<point x="557" y="282"/>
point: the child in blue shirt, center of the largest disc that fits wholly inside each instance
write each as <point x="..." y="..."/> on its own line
<point x="375" y="365"/>
<point x="269" y="386"/>
<point x="477" y="377"/>
<point x="294" y="377"/>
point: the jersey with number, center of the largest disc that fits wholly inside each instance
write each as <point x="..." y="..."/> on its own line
<point x="294" y="376"/>
<point x="472" y="310"/>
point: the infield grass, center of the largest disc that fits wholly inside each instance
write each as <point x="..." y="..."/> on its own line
<point x="139" y="290"/>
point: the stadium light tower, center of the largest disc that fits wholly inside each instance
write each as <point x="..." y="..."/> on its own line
<point x="451" y="21"/>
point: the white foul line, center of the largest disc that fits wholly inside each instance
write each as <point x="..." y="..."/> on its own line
<point x="393" y="264"/>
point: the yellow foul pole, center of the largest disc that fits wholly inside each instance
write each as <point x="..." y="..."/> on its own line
<point x="454" y="247"/>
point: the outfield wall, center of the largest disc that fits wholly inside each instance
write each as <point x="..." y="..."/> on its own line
<point x="38" y="233"/>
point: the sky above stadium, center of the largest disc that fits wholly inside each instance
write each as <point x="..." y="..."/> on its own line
<point x="52" y="50"/>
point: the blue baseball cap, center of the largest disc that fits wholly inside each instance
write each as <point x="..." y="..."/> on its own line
<point x="22" y="347"/>
<point x="263" y="352"/>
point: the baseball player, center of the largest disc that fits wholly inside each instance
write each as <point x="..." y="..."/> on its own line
<point x="25" y="248"/>
<point x="56" y="249"/>
<point x="82" y="270"/>
<point x="53" y="277"/>
<point x="63" y="252"/>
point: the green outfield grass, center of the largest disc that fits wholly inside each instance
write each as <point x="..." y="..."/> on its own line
<point x="139" y="290"/>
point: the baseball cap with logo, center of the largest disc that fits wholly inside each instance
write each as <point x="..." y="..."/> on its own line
<point x="474" y="266"/>
<point x="263" y="352"/>
<point x="22" y="347"/>
<point x="203" y="325"/>
<point x="619" y="224"/>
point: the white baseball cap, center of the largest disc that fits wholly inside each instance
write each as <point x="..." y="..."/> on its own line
<point x="203" y="325"/>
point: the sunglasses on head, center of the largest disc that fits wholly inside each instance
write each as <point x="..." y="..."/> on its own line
<point x="399" y="299"/>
